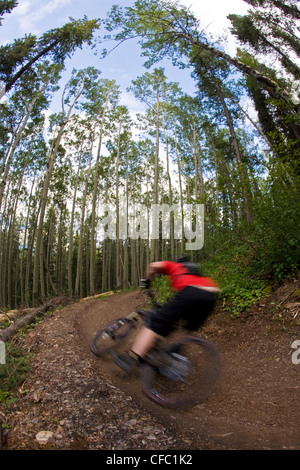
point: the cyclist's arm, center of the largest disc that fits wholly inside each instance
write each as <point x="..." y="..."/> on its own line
<point x="155" y="268"/>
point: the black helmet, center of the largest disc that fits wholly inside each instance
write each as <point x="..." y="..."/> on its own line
<point x="192" y="268"/>
<point x="182" y="259"/>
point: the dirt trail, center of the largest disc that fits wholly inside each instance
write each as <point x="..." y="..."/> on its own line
<point x="88" y="403"/>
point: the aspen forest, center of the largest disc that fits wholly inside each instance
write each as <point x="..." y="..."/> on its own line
<point x="232" y="147"/>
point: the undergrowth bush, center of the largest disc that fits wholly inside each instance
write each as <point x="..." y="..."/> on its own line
<point x="244" y="257"/>
<point x="162" y="288"/>
<point x="231" y="268"/>
<point x="13" y="372"/>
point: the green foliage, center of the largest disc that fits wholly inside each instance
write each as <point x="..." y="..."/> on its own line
<point x="162" y="288"/>
<point x="155" y="23"/>
<point x="231" y="268"/>
<point x="251" y="197"/>
<point x="6" y="6"/>
<point x="21" y="56"/>
<point x="13" y="373"/>
<point x="246" y="259"/>
<point x="276" y="232"/>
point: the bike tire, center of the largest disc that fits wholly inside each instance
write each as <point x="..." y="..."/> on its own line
<point x="204" y="364"/>
<point x="111" y="335"/>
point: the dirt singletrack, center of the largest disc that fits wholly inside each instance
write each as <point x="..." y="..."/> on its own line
<point x="88" y="403"/>
<point x="254" y="405"/>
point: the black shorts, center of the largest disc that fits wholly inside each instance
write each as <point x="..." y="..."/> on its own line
<point x="192" y="304"/>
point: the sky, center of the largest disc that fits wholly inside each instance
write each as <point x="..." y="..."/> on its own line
<point x="124" y="64"/>
<point x="37" y="16"/>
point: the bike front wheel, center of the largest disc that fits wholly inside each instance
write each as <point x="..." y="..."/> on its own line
<point x="111" y="335"/>
<point x="183" y="374"/>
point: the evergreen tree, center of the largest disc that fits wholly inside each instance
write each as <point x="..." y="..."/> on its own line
<point x="7" y="6"/>
<point x="19" y="57"/>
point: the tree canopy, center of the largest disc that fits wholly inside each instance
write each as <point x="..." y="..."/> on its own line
<point x="19" y="57"/>
<point x="79" y="183"/>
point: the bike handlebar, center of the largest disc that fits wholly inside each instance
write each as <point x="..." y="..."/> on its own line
<point x="145" y="284"/>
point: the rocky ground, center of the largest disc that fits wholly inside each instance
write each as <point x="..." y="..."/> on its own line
<point x="72" y="400"/>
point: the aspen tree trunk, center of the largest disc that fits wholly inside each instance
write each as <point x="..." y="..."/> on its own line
<point x="71" y="235"/>
<point x="59" y="260"/>
<point x="49" y="279"/>
<point x="10" y="244"/>
<point x="239" y="158"/>
<point x="138" y="262"/>
<point x="262" y="134"/>
<point x="125" y="265"/>
<point x="5" y="158"/>
<point x="94" y="201"/>
<point x="104" y="265"/>
<point x="148" y="221"/>
<point x="105" y="255"/>
<point x="9" y="259"/>
<point x="25" y="240"/>
<point x="142" y="258"/>
<point x="38" y="274"/>
<point x="230" y="195"/>
<point x="84" y="288"/>
<point x="109" y="264"/>
<point x="50" y="242"/>
<point x="170" y="197"/>
<point x="81" y="237"/>
<point x="217" y="194"/>
<point x="3" y="247"/>
<point x="195" y="163"/>
<point x="199" y="182"/>
<point x="180" y="191"/>
<point x="126" y="283"/>
<point x="15" y="143"/>
<point x="155" y="243"/>
<point x="133" y="260"/>
<point x="29" y="260"/>
<point x="47" y="256"/>
<point x="273" y="88"/>
<point x="118" y="241"/>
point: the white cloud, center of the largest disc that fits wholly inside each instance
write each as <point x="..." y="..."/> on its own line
<point x="23" y="7"/>
<point x="127" y="99"/>
<point x="213" y="17"/>
<point x="31" y="12"/>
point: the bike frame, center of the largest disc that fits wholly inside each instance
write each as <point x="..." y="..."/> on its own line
<point x="162" y="361"/>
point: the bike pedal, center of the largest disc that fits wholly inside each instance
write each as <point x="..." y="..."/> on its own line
<point x="108" y="335"/>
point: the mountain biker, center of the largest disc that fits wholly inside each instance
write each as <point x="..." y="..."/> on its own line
<point x="194" y="300"/>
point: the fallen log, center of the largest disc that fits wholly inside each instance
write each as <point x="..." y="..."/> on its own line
<point x="97" y="296"/>
<point x="11" y="330"/>
<point x="11" y="314"/>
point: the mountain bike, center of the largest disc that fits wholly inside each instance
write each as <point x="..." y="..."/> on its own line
<point x="179" y="372"/>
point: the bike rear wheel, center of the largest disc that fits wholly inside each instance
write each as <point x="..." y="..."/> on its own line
<point x="111" y="335"/>
<point x="184" y="374"/>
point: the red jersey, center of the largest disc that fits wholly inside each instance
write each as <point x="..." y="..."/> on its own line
<point x="179" y="278"/>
